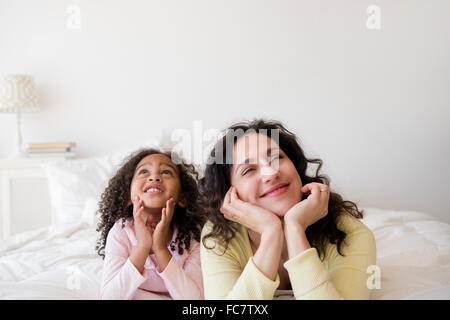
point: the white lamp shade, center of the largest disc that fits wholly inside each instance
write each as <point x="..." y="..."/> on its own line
<point x="17" y="93"/>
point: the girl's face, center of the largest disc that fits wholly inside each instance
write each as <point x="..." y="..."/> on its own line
<point x="263" y="175"/>
<point x="155" y="180"/>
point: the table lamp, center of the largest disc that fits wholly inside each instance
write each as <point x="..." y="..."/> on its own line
<point x="17" y="94"/>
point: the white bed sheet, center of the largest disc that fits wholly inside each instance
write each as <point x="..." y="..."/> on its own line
<point x="60" y="262"/>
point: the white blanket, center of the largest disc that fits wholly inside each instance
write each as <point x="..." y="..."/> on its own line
<point x="60" y="262"/>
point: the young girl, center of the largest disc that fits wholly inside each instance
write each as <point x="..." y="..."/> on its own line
<point x="149" y="232"/>
<point x="273" y="227"/>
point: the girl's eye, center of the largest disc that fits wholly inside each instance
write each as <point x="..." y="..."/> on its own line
<point x="143" y="171"/>
<point x="167" y="172"/>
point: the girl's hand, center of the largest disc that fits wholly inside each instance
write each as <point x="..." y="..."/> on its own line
<point x="251" y="216"/>
<point x="162" y="228"/>
<point x="142" y="225"/>
<point x="311" y="209"/>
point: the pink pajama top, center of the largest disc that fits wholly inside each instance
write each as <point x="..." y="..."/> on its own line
<point x="181" y="279"/>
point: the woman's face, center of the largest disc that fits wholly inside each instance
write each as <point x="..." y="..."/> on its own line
<point x="263" y="175"/>
<point x="155" y="180"/>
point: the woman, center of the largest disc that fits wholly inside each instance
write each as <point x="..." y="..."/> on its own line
<point x="274" y="227"/>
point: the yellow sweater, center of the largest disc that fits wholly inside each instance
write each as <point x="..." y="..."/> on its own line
<point x="233" y="275"/>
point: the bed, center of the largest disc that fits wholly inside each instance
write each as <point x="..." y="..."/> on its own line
<point x="59" y="261"/>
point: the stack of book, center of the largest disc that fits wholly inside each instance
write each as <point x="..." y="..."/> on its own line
<point x="51" y="149"/>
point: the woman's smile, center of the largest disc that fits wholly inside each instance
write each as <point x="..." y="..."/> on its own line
<point x="276" y="190"/>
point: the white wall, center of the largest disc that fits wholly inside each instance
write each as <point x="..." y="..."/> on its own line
<point x="373" y="104"/>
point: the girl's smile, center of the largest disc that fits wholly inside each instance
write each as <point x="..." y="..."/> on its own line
<point x="153" y="188"/>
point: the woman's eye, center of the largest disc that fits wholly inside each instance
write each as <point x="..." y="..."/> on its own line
<point x="276" y="157"/>
<point x="247" y="171"/>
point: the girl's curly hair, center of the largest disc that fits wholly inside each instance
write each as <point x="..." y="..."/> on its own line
<point x="216" y="182"/>
<point x="114" y="203"/>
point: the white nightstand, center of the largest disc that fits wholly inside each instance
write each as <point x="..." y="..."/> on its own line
<point x="24" y="196"/>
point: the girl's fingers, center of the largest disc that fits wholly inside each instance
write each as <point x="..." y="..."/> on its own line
<point x="138" y="210"/>
<point x="164" y="218"/>
<point x="134" y="202"/>
<point x="137" y="203"/>
<point x="170" y="211"/>
<point x="163" y="215"/>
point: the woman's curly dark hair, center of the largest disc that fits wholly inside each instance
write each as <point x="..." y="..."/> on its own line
<point x="114" y="203"/>
<point x="216" y="182"/>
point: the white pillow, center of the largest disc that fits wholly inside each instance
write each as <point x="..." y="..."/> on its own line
<point x="90" y="215"/>
<point x="72" y="182"/>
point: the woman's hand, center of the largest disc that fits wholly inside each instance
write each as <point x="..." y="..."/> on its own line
<point x="313" y="208"/>
<point x="252" y="217"/>
<point x="262" y="221"/>
<point x="162" y="228"/>
<point x="142" y="225"/>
